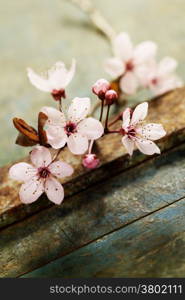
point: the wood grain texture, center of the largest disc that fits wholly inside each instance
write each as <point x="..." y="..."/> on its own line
<point x="168" y="110"/>
<point x="99" y="210"/>
<point x="151" y="247"/>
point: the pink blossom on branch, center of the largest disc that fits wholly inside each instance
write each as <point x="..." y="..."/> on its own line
<point x="139" y="135"/>
<point x="127" y="61"/>
<point x="75" y="129"/>
<point x="160" y="78"/>
<point x="41" y="176"/>
<point x="55" y="80"/>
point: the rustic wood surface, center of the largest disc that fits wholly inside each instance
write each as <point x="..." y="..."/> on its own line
<point x="91" y="214"/>
<point x="152" y="247"/>
<point x="168" y="110"/>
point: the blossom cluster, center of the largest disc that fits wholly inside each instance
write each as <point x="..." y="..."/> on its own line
<point x="135" y="68"/>
<point x="75" y="129"/>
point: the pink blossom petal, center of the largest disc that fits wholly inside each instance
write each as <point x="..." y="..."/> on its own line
<point x="146" y="72"/>
<point x="22" y="171"/>
<point x="122" y="47"/>
<point x="91" y="128"/>
<point x="40" y="156"/>
<point x="152" y="131"/>
<point x="38" y="81"/>
<point x="144" y="51"/>
<point x="77" y="143"/>
<point x="129" y="83"/>
<point x="71" y="72"/>
<point x="31" y="190"/>
<point x="61" y="169"/>
<point x="55" y="117"/>
<point x="126" y="118"/>
<point x="56" y="136"/>
<point x="54" y="190"/>
<point x="147" y="147"/>
<point x="140" y="113"/>
<point x="167" y="65"/>
<point x="59" y="76"/>
<point x="115" y="67"/>
<point x="129" y="145"/>
<point x="79" y="109"/>
<point x="166" y="84"/>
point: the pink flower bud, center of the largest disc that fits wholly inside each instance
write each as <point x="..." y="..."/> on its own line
<point x="100" y="87"/>
<point x="90" y="161"/>
<point x="111" y="96"/>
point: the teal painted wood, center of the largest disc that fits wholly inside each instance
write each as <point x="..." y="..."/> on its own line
<point x="88" y="216"/>
<point x="153" y="246"/>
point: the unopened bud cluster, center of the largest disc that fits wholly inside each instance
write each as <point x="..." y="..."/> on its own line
<point x="102" y="89"/>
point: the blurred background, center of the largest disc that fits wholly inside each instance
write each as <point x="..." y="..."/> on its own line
<point x="38" y="33"/>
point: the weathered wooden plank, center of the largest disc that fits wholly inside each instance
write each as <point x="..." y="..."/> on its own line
<point x="151" y="247"/>
<point x="92" y="214"/>
<point x="168" y="110"/>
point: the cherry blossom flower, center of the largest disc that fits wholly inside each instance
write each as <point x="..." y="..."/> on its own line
<point x="75" y="130"/>
<point x="41" y="176"/>
<point x="137" y="134"/>
<point x="160" y="78"/>
<point x="100" y="88"/>
<point x="55" y="80"/>
<point x="127" y="60"/>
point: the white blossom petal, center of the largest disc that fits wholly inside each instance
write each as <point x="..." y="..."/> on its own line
<point x="40" y="156"/>
<point x="31" y="190"/>
<point x="56" y="137"/>
<point x="146" y="72"/>
<point x="122" y="47"/>
<point x="167" y="65"/>
<point x="126" y="118"/>
<point x="60" y="169"/>
<point x="151" y="131"/>
<point x="129" y="144"/>
<point x="54" y="190"/>
<point x="55" y="117"/>
<point x="144" y="51"/>
<point x="22" y="171"/>
<point x="91" y="128"/>
<point x="166" y="84"/>
<point x="79" y="109"/>
<point x="147" y="147"/>
<point x="59" y="76"/>
<point x="129" y="83"/>
<point x="77" y="143"/>
<point x="38" y="81"/>
<point x="115" y="67"/>
<point x="140" y="113"/>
